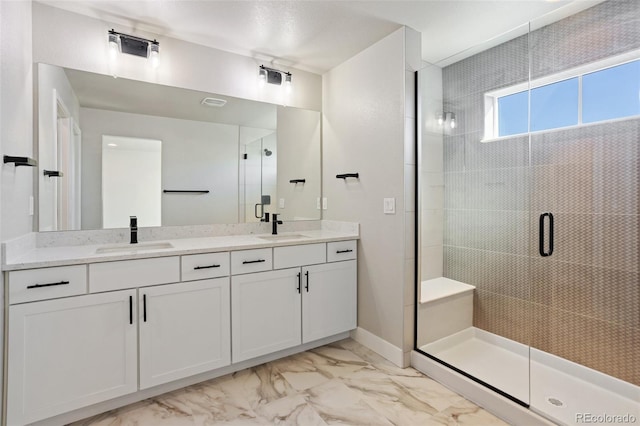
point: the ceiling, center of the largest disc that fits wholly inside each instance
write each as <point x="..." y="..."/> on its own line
<point x="318" y="35"/>
<point x="120" y="94"/>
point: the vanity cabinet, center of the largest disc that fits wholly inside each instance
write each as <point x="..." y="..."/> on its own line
<point x="329" y="299"/>
<point x="283" y="308"/>
<point x="265" y="310"/>
<point x="79" y="335"/>
<point x="184" y="330"/>
<point x="68" y="353"/>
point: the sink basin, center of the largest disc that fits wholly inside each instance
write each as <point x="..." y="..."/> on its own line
<point x="133" y="247"/>
<point x="283" y="237"/>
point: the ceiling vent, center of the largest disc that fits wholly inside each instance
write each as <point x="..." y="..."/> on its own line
<point x="214" y="102"/>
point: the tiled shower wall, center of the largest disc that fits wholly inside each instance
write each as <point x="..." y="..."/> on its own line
<point x="583" y="302"/>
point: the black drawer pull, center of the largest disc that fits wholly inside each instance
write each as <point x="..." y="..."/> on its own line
<point x="130" y="309"/>
<point x="206" y="267"/>
<point x="299" y="281"/>
<point x="144" y="307"/>
<point x="306" y="274"/>
<point x="344" y="251"/>
<point x="253" y="261"/>
<point x="47" y="285"/>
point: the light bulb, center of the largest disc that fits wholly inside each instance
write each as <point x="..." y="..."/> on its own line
<point x="262" y="77"/>
<point x="440" y="119"/>
<point x="113" y="45"/>
<point x="154" y="54"/>
<point x="288" y="87"/>
<point x="453" y="122"/>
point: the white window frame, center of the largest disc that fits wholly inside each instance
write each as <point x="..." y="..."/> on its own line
<point x="491" y="111"/>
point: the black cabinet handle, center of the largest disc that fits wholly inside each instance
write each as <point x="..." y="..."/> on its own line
<point x="253" y="261"/>
<point x="206" y="267"/>
<point x="299" y="282"/>
<point x="344" y="251"/>
<point x="47" y="285"/>
<point x="130" y="309"/>
<point x="306" y="274"/>
<point x="144" y="307"/>
<point x="541" y="250"/>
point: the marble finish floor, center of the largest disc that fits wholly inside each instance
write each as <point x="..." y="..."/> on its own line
<point x="341" y="383"/>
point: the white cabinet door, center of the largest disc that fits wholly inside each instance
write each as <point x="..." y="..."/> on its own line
<point x="184" y="330"/>
<point x="69" y="353"/>
<point x="265" y="312"/>
<point x="329" y="299"/>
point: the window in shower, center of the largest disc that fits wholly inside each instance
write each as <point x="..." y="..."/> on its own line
<point x="601" y="91"/>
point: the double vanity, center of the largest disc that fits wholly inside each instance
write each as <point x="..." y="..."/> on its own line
<point x="93" y="323"/>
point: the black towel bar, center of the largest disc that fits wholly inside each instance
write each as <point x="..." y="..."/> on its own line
<point x="348" y="175"/>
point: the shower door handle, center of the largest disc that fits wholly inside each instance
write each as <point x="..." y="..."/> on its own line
<point x="544" y="253"/>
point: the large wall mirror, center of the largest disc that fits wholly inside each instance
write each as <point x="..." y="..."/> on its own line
<point x="110" y="148"/>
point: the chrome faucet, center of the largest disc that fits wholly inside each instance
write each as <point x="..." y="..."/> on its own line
<point x="276" y="222"/>
<point x="133" y="226"/>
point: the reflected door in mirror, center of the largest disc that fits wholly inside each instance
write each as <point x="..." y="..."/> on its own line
<point x="131" y="181"/>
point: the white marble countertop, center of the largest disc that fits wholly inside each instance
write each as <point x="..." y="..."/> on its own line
<point x="42" y="257"/>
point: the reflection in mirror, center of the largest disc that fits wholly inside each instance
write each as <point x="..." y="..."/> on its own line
<point x="214" y="164"/>
<point x="131" y="181"/>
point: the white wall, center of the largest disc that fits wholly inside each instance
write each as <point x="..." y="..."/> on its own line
<point x="195" y="155"/>
<point x="16" y="123"/>
<point x="50" y="79"/>
<point x="368" y="104"/>
<point x="298" y="158"/>
<point x="17" y="116"/>
<point x="76" y="41"/>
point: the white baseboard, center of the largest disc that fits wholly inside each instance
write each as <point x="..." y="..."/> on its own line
<point x="381" y="347"/>
<point x="491" y="401"/>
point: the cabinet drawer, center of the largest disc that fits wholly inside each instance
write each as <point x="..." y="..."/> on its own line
<point x="203" y="266"/>
<point x="342" y="250"/>
<point x="123" y="274"/>
<point x="47" y="283"/>
<point x="247" y="261"/>
<point x="292" y="256"/>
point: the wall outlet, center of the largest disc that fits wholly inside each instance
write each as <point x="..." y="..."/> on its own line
<point x="31" y="205"/>
<point x="324" y="203"/>
<point x="281" y="203"/>
<point x="389" y="206"/>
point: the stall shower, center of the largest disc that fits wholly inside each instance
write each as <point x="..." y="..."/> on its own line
<point x="528" y="218"/>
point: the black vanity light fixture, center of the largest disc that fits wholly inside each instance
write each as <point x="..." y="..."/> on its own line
<point x="133" y="45"/>
<point x="274" y="76"/>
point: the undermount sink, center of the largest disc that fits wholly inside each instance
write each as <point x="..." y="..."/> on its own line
<point x="133" y="247"/>
<point x="283" y="237"/>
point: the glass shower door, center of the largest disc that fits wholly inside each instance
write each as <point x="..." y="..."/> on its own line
<point x="474" y="293"/>
<point x="585" y="154"/>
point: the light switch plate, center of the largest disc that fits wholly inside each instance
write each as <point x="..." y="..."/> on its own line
<point x="281" y="203"/>
<point x="318" y="203"/>
<point x="389" y="206"/>
<point x="324" y="203"/>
